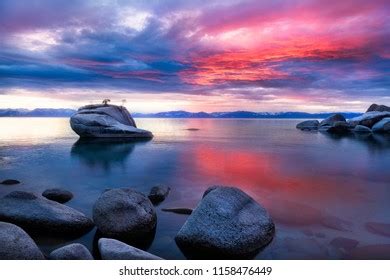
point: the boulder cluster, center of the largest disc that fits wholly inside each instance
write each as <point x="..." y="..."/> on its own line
<point x="375" y="120"/>
<point x="227" y="223"/>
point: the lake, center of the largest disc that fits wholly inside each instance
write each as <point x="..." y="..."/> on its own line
<point x="321" y="191"/>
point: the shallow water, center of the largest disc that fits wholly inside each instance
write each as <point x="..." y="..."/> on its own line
<point x="316" y="187"/>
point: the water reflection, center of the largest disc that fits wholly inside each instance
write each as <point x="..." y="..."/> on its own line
<point x="48" y="242"/>
<point x="104" y="153"/>
<point x="288" y="182"/>
<point x="196" y="253"/>
<point x="317" y="187"/>
<point x="372" y="141"/>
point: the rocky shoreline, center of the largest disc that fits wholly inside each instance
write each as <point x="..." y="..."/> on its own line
<point x="375" y="120"/>
<point x="227" y="223"/>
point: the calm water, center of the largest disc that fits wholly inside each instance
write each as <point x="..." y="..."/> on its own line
<point x="317" y="188"/>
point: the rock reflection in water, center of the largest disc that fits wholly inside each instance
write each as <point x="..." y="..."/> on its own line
<point x="371" y="141"/>
<point x="104" y="153"/>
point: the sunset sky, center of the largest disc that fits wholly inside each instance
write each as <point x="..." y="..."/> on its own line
<point x="196" y="55"/>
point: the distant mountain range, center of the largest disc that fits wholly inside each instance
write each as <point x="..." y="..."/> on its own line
<point x="39" y="112"/>
<point x="42" y="112"/>
<point x="241" y="115"/>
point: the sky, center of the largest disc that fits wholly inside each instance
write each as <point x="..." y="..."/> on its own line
<point x="196" y="55"/>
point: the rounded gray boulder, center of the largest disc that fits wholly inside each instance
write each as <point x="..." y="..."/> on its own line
<point x="111" y="249"/>
<point x="339" y="127"/>
<point x="16" y="244"/>
<point x="38" y="214"/>
<point x="106" y="121"/>
<point x="158" y="193"/>
<point x="382" y="126"/>
<point x="124" y="214"/>
<point x="369" y="119"/>
<point x="330" y="121"/>
<point x="226" y="223"/>
<point x="308" y="125"/>
<point x="362" y="129"/>
<point x="75" y="251"/>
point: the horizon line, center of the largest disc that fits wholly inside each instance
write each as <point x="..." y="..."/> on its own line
<point x="194" y="112"/>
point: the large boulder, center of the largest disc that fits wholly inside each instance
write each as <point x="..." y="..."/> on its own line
<point x="38" y="214"/>
<point x="369" y="119"/>
<point x="75" y="251"/>
<point x="16" y="244"/>
<point x="378" y="108"/>
<point x="330" y="121"/>
<point x="111" y="249"/>
<point x="382" y="126"/>
<point x="308" y="125"/>
<point x="124" y="214"/>
<point x="107" y="121"/>
<point x="226" y="223"/>
<point x="58" y="195"/>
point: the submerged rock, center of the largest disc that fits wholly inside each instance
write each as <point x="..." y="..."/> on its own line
<point x="330" y="121"/>
<point x="293" y="213"/>
<point x="16" y="244"/>
<point x="158" y="193"/>
<point x="58" y="195"/>
<point x="362" y="129"/>
<point x="73" y="251"/>
<point x="111" y="249"/>
<point x="39" y="214"/>
<point x="227" y="222"/>
<point x="184" y="211"/>
<point x="105" y="120"/>
<point x="378" y="228"/>
<point x="370" y="252"/>
<point x="10" y="182"/>
<point x="305" y="248"/>
<point x="344" y="243"/>
<point x="336" y="223"/>
<point x="124" y="214"/>
<point x="308" y="125"/>
<point x="382" y="126"/>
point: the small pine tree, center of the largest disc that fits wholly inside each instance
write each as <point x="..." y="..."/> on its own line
<point x="106" y="101"/>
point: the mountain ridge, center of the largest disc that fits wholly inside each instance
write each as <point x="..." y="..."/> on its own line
<point x="65" y="112"/>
